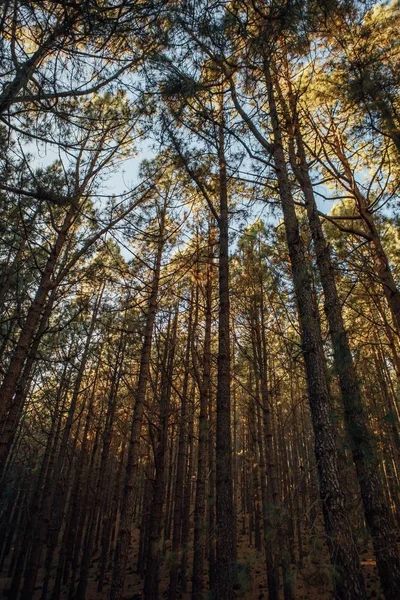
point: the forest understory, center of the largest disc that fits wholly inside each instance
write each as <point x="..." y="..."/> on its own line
<point x="311" y="578"/>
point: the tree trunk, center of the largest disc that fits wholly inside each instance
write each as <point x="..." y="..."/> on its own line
<point x="180" y="468"/>
<point x="199" y="542"/>
<point x="127" y="503"/>
<point x="14" y="370"/>
<point x="152" y="575"/>
<point x="377" y="514"/>
<point x="225" y="517"/>
<point x="348" y="581"/>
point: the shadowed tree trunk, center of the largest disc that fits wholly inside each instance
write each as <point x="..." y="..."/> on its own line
<point x="377" y="513"/>
<point x="344" y="556"/>
<point x="127" y="502"/>
<point x="199" y="541"/>
<point x="225" y="517"/>
<point x="180" y="468"/>
<point x="14" y="370"/>
<point x="152" y="575"/>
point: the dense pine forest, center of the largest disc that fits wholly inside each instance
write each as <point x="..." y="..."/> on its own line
<point x="199" y="299"/>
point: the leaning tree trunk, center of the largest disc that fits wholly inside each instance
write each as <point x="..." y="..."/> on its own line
<point x="348" y="582"/>
<point x="382" y="269"/>
<point x="14" y="370"/>
<point x="363" y="445"/>
<point x="15" y="413"/>
<point x="55" y="498"/>
<point x="40" y="497"/>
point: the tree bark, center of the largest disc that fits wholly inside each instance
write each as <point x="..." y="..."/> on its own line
<point x="199" y="542"/>
<point x="132" y="466"/>
<point x="363" y="445"/>
<point x="225" y="517"/>
<point x="348" y="581"/>
<point x="180" y="468"/>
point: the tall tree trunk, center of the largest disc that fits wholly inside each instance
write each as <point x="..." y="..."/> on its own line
<point x="270" y="454"/>
<point x="363" y="445"/>
<point x="188" y="484"/>
<point x="348" y="582"/>
<point x="200" y="501"/>
<point x="40" y="499"/>
<point x="127" y="503"/>
<point x="14" y="370"/>
<point x="225" y="517"/>
<point x="55" y="493"/>
<point x="70" y="530"/>
<point x="180" y="468"/>
<point x="152" y="575"/>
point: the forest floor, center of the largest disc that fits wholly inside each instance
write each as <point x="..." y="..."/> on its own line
<point x="312" y="580"/>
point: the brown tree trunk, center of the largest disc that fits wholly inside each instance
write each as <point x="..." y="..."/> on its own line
<point x="199" y="542"/>
<point x="54" y="493"/>
<point x="186" y="517"/>
<point x="180" y="468"/>
<point x="152" y="576"/>
<point x="348" y="581"/>
<point x="127" y="503"/>
<point x="225" y="517"/>
<point x="14" y="370"/>
<point x="40" y="499"/>
<point x="377" y="514"/>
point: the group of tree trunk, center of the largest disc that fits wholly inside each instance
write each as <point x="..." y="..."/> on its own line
<point x="200" y="370"/>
